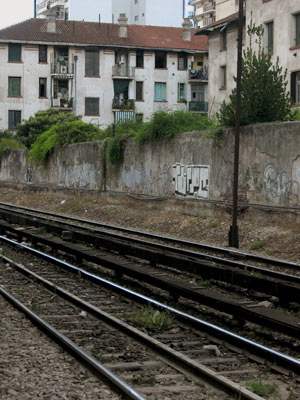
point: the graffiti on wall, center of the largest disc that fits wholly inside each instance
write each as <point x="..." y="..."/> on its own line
<point x="275" y="183"/>
<point x="191" y="180"/>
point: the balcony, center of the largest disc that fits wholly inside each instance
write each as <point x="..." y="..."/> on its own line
<point x="62" y="69"/>
<point x="65" y="104"/>
<point x="198" y="106"/>
<point x="123" y="71"/>
<point x="42" y="5"/>
<point x="198" y="75"/>
<point x="128" y="104"/>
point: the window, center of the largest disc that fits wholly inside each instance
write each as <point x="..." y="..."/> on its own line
<point x="223" y="40"/>
<point x="14" y="52"/>
<point x="139" y="118"/>
<point x="223" y="77"/>
<point x="140" y="59"/>
<point x="42" y="54"/>
<point x="297" y="20"/>
<point x="139" y="91"/>
<point x="14" y="86"/>
<point x="295" y="87"/>
<point x="91" y="63"/>
<point x="160" y="59"/>
<point x="270" y="37"/>
<point x="91" y="106"/>
<point x="43" y="87"/>
<point x="160" y="91"/>
<point x="182" y="62"/>
<point x="14" y="118"/>
<point x="181" y="92"/>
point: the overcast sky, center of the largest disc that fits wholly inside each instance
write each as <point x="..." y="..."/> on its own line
<point x="15" y="11"/>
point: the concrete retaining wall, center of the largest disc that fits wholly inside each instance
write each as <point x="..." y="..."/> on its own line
<point x="186" y="167"/>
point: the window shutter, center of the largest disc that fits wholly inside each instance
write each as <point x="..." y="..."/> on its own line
<point x="184" y="91"/>
<point x="293" y="86"/>
<point x="92" y="63"/>
<point x="298" y="30"/>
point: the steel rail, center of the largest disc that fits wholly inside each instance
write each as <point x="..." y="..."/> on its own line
<point x="235" y="253"/>
<point x="119" y="385"/>
<point x="189" y="253"/>
<point x="175" y="286"/>
<point x="239" y="341"/>
<point x="284" y="286"/>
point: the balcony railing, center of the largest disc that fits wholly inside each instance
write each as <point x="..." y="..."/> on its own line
<point x="62" y="103"/>
<point x="43" y="4"/>
<point x="62" y="68"/>
<point x="198" y="74"/>
<point x="198" y="106"/>
<point x="123" y="71"/>
<point x="123" y="104"/>
<point x="209" y="7"/>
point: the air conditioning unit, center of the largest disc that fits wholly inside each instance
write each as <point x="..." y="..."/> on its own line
<point x="56" y="102"/>
<point x="63" y="69"/>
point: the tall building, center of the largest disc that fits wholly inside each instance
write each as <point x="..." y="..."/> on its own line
<point x="139" y="12"/>
<point x="209" y="11"/>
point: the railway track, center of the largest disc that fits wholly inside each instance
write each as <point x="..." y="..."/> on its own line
<point x="166" y="263"/>
<point x="178" y="357"/>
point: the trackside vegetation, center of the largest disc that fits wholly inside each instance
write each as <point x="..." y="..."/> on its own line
<point x="47" y="130"/>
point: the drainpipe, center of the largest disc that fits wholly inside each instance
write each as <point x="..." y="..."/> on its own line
<point x="75" y="84"/>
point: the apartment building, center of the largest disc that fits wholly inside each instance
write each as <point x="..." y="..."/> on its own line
<point x="281" y="21"/>
<point x="204" y="12"/>
<point x="209" y="11"/>
<point x="141" y="12"/>
<point x="104" y="72"/>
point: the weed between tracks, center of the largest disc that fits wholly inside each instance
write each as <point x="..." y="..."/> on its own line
<point x="149" y="318"/>
<point x="262" y="389"/>
<point x="257" y="245"/>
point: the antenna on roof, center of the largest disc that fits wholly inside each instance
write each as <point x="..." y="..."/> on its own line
<point x="99" y="18"/>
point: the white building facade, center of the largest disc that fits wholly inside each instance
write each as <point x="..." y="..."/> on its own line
<point x="281" y="22"/>
<point x="141" y="12"/>
<point x="103" y="72"/>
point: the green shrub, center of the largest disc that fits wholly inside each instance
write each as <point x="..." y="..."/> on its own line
<point x="60" y="135"/>
<point x="41" y="122"/>
<point x="295" y="116"/>
<point x="115" y="148"/>
<point x="9" y="143"/>
<point x="165" y="125"/>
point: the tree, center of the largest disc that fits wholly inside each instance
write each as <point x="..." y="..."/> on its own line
<point x="264" y="96"/>
<point x="62" y="134"/>
<point x="28" y="132"/>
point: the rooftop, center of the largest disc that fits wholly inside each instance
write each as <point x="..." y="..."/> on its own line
<point x="102" y="34"/>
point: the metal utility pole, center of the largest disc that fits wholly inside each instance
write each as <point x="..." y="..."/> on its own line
<point x="233" y="234"/>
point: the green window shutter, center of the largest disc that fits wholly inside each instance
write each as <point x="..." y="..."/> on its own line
<point x="160" y="92"/>
<point x="14" y="118"/>
<point x="91" y="63"/>
<point x="178" y="91"/>
<point x="184" y="91"/>
<point x="14" y="86"/>
<point x="298" y="30"/>
<point x="14" y="52"/>
<point x="270" y="37"/>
